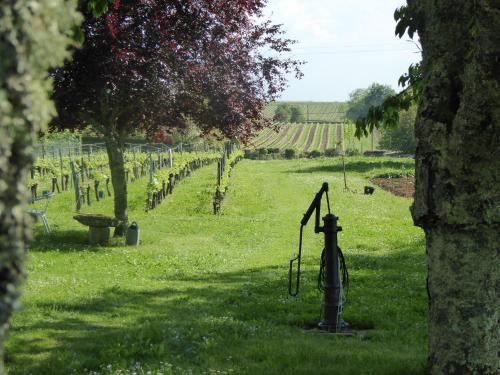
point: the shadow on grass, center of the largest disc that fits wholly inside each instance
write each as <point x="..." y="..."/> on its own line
<point x="359" y="166"/>
<point x="62" y="241"/>
<point x="208" y="317"/>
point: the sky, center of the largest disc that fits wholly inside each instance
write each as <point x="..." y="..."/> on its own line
<point x="347" y="44"/>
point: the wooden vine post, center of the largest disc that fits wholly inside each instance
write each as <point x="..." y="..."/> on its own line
<point x="62" y="177"/>
<point x="151" y="172"/>
<point x="75" y="185"/>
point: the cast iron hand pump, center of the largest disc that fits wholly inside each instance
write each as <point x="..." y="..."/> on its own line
<point x="332" y="264"/>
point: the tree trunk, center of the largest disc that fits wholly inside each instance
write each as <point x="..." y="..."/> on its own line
<point x="116" y="149"/>
<point x="25" y="109"/>
<point x="15" y="161"/>
<point x="457" y="199"/>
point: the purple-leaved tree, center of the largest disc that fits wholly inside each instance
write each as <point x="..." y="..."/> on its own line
<point x="157" y="64"/>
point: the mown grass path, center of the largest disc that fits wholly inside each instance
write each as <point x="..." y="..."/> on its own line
<point x="205" y="293"/>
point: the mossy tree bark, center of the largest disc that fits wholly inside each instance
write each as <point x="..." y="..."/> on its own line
<point x="15" y="159"/>
<point x="26" y="29"/>
<point x="116" y="150"/>
<point x="457" y="199"/>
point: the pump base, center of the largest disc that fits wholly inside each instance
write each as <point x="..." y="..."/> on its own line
<point x="345" y="332"/>
<point x="324" y="325"/>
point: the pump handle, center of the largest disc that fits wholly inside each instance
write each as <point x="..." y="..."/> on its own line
<point x="314" y="207"/>
<point x="298" y="258"/>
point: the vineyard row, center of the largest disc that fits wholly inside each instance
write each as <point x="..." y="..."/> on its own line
<point x="225" y="165"/>
<point x="89" y="176"/>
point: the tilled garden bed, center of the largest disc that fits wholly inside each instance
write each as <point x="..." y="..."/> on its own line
<point x="400" y="186"/>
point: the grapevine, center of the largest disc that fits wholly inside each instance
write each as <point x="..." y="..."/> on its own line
<point x="226" y="164"/>
<point x="90" y="175"/>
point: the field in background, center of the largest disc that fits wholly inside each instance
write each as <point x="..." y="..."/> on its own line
<point x="313" y="137"/>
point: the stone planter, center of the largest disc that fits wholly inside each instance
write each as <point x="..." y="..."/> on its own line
<point x="99" y="235"/>
<point x="99" y="225"/>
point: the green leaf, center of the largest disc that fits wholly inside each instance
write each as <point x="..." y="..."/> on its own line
<point x="98" y="7"/>
<point x="78" y="35"/>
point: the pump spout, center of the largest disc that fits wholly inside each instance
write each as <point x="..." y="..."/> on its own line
<point x="315" y="205"/>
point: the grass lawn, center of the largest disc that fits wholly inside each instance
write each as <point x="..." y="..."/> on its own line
<point x="207" y="294"/>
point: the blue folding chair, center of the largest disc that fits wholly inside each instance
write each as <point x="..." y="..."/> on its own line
<point x="41" y="213"/>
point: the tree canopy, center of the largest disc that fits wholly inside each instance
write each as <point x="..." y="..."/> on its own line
<point x="163" y="64"/>
<point x="286" y="112"/>
<point x="386" y="113"/>
<point x="361" y="100"/>
<point x="297" y="114"/>
<point x="282" y="113"/>
<point x="401" y="137"/>
<point x="159" y="63"/>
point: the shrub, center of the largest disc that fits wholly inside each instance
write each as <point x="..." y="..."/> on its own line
<point x="251" y="154"/>
<point x="273" y="150"/>
<point x="315" y="154"/>
<point x="331" y="152"/>
<point x="262" y="152"/>
<point x="290" y="153"/>
<point x="352" y="152"/>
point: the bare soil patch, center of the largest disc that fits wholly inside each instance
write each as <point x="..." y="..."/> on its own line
<point x="310" y="140"/>
<point x="297" y="135"/>
<point x="401" y="186"/>
<point x="324" y="140"/>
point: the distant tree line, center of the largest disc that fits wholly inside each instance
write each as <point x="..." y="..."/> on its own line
<point x="399" y="136"/>
<point x="289" y="113"/>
